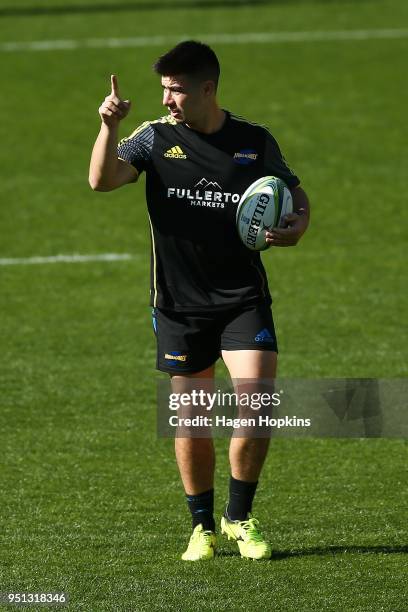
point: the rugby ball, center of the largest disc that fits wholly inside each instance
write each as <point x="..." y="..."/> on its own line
<point x="262" y="207"/>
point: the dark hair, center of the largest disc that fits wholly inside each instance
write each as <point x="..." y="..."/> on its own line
<point x="191" y="58"/>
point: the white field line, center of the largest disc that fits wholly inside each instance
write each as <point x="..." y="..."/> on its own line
<point x="75" y="258"/>
<point x="227" y="39"/>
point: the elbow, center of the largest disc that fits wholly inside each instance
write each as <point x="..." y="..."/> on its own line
<point x="93" y="185"/>
<point x="97" y="185"/>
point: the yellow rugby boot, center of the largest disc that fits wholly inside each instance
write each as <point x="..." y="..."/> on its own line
<point x="201" y="546"/>
<point x="250" y="540"/>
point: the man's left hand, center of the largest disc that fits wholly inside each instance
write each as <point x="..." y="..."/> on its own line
<point x="295" y="226"/>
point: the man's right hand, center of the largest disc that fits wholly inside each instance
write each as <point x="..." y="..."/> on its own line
<point x="113" y="109"/>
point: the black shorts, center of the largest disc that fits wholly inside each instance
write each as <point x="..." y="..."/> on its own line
<point x="192" y="342"/>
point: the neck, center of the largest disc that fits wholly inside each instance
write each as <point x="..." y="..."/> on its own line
<point x="209" y="123"/>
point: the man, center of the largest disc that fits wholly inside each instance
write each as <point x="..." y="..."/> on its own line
<point x="209" y="293"/>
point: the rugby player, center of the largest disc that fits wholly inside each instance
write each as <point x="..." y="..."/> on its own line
<point x="209" y="293"/>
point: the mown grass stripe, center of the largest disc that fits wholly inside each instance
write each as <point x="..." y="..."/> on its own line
<point x="75" y="258"/>
<point x="221" y="38"/>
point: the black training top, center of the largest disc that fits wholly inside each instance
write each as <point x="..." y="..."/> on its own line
<point x="194" y="183"/>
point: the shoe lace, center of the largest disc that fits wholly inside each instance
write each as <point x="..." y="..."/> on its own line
<point x="202" y="537"/>
<point x="251" y="530"/>
<point x="206" y="535"/>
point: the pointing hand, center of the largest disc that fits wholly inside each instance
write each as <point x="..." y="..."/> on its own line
<point x="113" y="109"/>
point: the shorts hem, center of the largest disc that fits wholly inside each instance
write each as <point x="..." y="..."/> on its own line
<point x="251" y="347"/>
<point x="192" y="370"/>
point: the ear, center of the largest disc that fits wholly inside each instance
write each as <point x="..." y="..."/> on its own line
<point x="209" y="88"/>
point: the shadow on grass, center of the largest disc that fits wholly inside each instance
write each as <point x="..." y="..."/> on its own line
<point x="321" y="551"/>
<point x="338" y="550"/>
<point x="228" y="553"/>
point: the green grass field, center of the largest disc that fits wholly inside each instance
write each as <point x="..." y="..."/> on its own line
<point x="90" y="499"/>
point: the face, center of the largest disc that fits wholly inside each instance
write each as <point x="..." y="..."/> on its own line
<point x="185" y="99"/>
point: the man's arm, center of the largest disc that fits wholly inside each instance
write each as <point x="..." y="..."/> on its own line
<point x="296" y="222"/>
<point x="106" y="171"/>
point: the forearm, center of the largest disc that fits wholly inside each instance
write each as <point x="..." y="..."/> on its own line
<point x="300" y="202"/>
<point x="104" y="159"/>
<point x="296" y="222"/>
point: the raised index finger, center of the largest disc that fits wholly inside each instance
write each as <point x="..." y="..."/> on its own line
<point x="114" y="85"/>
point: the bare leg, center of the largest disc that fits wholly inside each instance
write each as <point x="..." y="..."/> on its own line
<point x="195" y="456"/>
<point x="247" y="455"/>
<point x="196" y="463"/>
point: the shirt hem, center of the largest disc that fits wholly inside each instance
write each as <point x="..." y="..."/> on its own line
<point x="214" y="307"/>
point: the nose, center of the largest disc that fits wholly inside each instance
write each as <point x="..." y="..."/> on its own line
<point x="167" y="99"/>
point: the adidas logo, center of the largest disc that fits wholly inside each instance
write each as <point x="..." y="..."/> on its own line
<point x="175" y="153"/>
<point x="264" y="336"/>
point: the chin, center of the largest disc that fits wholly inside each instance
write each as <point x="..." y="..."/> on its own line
<point x="179" y="118"/>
